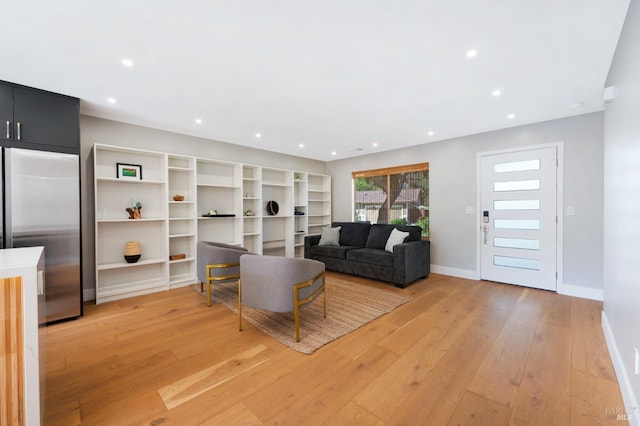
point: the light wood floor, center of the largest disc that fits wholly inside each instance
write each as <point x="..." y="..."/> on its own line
<point x="461" y="352"/>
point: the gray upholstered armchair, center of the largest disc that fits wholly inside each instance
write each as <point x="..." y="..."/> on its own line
<point x="217" y="262"/>
<point x="279" y="284"/>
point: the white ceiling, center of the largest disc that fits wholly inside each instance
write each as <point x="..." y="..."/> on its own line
<point x="335" y="75"/>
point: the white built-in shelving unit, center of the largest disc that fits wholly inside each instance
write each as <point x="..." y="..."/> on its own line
<point x="115" y="278"/>
<point x="252" y="208"/>
<point x="182" y="222"/>
<point x="223" y="202"/>
<point x="219" y="201"/>
<point x="300" y="218"/>
<point x="277" y="230"/>
<point x="318" y="202"/>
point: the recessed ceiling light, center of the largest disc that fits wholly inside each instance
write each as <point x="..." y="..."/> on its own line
<point x="333" y="153"/>
<point x="496" y="93"/>
<point x="198" y="120"/>
<point x="111" y="100"/>
<point x="375" y="144"/>
<point x="511" y="116"/>
<point x="577" y="105"/>
<point x="258" y="135"/>
<point x="127" y="62"/>
<point x="430" y="133"/>
<point x="301" y="145"/>
<point x="472" y="53"/>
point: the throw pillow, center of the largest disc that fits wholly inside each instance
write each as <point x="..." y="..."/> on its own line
<point x="330" y="236"/>
<point x="378" y="235"/>
<point x="396" y="237"/>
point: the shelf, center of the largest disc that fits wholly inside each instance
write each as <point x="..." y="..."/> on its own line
<point x="123" y="264"/>
<point x="135" y="182"/>
<point x="180" y="202"/>
<point x="127" y="220"/>
<point x="214" y="185"/>
<point x="250" y="234"/>
<point x="181" y="235"/>
<point x="179" y="169"/>
<point x="216" y="218"/>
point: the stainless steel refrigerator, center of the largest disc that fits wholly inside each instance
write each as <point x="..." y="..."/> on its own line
<point x="41" y="207"/>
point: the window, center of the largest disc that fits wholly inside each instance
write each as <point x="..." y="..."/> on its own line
<point x="395" y="195"/>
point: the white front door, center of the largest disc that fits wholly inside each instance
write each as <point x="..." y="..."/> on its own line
<point x="519" y="217"/>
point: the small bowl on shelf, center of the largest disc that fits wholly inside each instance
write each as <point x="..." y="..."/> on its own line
<point x="178" y="197"/>
<point x="133" y="258"/>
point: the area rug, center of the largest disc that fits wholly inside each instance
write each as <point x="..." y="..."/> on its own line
<point x="349" y="307"/>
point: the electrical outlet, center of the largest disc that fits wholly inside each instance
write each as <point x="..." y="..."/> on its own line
<point x="636" y="368"/>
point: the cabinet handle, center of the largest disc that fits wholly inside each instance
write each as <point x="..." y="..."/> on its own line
<point x="18" y="130"/>
<point x="8" y="129"/>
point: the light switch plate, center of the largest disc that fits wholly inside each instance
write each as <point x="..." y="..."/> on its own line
<point x="571" y="210"/>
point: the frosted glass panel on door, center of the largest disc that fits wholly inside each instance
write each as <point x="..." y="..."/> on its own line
<point x="516" y="224"/>
<point x="517" y="166"/>
<point x="516" y="205"/>
<point x="517" y="243"/>
<point x="516" y="262"/>
<point x="517" y="185"/>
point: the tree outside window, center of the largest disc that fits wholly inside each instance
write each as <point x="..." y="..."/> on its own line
<point x="396" y="195"/>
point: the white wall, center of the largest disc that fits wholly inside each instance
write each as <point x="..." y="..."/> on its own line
<point x="452" y="181"/>
<point x="621" y="317"/>
<point x="98" y="131"/>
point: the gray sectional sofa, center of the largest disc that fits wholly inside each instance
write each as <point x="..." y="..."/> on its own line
<point x="361" y="251"/>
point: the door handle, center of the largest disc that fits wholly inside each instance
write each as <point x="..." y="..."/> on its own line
<point x="8" y="129"/>
<point x="18" y="130"/>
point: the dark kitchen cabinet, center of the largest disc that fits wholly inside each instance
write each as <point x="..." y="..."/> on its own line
<point x="37" y="119"/>
<point x="6" y="112"/>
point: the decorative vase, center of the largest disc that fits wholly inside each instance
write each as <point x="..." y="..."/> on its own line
<point x="132" y="251"/>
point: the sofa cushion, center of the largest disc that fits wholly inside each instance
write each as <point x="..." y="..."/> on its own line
<point x="378" y="236"/>
<point x="330" y="236"/>
<point x="353" y="233"/>
<point x="396" y="237"/>
<point x="338" y="252"/>
<point x="373" y="256"/>
<point x="415" y="232"/>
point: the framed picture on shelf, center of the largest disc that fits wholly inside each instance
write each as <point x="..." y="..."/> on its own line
<point x="129" y="171"/>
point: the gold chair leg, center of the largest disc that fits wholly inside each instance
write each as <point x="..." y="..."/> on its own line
<point x="296" y="314"/>
<point x="208" y="293"/>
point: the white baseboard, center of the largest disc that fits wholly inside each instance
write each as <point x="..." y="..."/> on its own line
<point x="566" y="289"/>
<point x="455" y="272"/>
<point x="583" y="292"/>
<point x="630" y="401"/>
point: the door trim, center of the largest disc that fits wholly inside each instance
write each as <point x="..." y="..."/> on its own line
<point x="559" y="205"/>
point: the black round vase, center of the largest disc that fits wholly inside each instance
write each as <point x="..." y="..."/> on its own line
<point x="272" y="208"/>
<point x="133" y="258"/>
